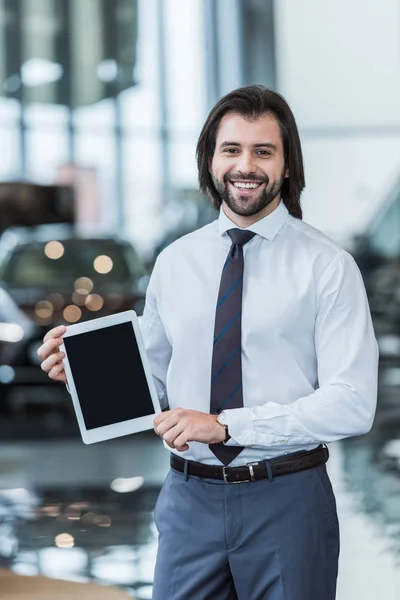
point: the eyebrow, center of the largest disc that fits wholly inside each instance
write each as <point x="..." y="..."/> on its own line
<point x="237" y="145"/>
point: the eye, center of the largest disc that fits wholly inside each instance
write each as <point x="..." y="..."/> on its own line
<point x="231" y="150"/>
<point x="264" y="152"/>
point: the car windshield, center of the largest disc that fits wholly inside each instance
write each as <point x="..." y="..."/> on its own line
<point x="101" y="261"/>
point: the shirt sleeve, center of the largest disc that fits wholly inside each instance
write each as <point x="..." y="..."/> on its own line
<point x="344" y="403"/>
<point x="158" y="347"/>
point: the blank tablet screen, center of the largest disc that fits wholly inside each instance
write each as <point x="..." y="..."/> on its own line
<point x="109" y="375"/>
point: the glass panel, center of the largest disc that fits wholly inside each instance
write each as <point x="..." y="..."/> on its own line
<point x="9" y="151"/>
<point x="46" y="152"/>
<point x="3" y="45"/>
<point x="71" y="52"/>
<point x="186" y="88"/>
<point x="96" y="118"/>
<point x="46" y="116"/>
<point x="98" y="152"/>
<point x="103" y="46"/>
<point x="86" y="51"/>
<point x="142" y="190"/>
<point x="140" y="108"/>
<point x="141" y="105"/>
<point x="42" y="67"/>
<point x="385" y="240"/>
<point x="9" y="111"/>
<point x="183" y="162"/>
<point x="10" y="81"/>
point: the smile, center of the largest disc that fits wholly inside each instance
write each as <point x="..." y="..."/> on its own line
<point x="241" y="185"/>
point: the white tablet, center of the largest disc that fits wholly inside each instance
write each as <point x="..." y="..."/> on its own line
<point x="109" y="377"/>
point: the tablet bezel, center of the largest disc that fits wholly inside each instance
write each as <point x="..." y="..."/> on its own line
<point x="99" y="434"/>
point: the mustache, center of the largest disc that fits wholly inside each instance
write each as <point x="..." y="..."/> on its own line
<point x="232" y="177"/>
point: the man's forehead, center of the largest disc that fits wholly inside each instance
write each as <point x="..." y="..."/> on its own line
<point x="236" y="128"/>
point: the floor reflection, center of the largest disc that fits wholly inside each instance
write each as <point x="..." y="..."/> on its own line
<point x="83" y="513"/>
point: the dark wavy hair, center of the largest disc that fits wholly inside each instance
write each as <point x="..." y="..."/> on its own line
<point x="251" y="103"/>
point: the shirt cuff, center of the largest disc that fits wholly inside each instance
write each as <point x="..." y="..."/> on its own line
<point x="240" y="427"/>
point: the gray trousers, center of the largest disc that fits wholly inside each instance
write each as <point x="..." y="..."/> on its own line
<point x="264" y="540"/>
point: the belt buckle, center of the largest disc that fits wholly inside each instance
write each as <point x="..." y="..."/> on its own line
<point x="250" y="467"/>
<point x="251" y="471"/>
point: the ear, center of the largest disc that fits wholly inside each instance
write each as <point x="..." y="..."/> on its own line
<point x="286" y="173"/>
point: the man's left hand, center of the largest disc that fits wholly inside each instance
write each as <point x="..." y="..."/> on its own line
<point x="180" y="426"/>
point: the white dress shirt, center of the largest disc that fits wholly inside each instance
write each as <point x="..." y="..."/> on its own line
<point x="309" y="353"/>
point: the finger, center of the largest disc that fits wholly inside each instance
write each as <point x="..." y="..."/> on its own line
<point x="55" y="332"/>
<point x="181" y="440"/>
<point x="172" y="434"/>
<point x="52" y="361"/>
<point x="168" y="413"/>
<point x="161" y="417"/>
<point x="48" y="348"/>
<point x="57" y="372"/>
<point x="167" y="425"/>
<point x="179" y="449"/>
<point x="56" y="369"/>
<point x="182" y="448"/>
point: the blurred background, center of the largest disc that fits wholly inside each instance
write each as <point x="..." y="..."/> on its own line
<point x="101" y="104"/>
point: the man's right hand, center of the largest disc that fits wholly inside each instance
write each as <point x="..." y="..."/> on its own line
<point x="51" y="356"/>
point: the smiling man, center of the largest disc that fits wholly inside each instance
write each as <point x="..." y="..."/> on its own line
<point x="263" y="350"/>
<point x="260" y="339"/>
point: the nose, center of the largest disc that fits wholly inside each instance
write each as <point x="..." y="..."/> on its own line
<point x="245" y="163"/>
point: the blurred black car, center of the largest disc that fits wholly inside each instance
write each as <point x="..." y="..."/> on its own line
<point x="17" y="332"/>
<point x="57" y="275"/>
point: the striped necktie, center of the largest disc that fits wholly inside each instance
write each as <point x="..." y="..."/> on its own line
<point x="226" y="369"/>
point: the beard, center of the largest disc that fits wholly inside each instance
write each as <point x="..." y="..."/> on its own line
<point x="246" y="206"/>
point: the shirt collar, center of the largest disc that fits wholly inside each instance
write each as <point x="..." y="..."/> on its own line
<point x="268" y="227"/>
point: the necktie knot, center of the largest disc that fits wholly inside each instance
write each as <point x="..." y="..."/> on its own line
<point x="240" y="236"/>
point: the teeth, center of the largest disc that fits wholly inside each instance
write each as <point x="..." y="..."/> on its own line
<point x="246" y="185"/>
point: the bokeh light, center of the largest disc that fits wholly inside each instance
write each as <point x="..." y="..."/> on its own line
<point x="11" y="332"/>
<point x="103" y="521"/>
<point x="79" y="299"/>
<point x="103" y="264"/>
<point x="64" y="540"/>
<point x="83" y="285"/>
<point x="72" y="313"/>
<point x="44" y="309"/>
<point x="54" y="250"/>
<point x="94" y="302"/>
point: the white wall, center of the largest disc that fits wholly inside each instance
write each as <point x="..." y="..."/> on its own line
<point x="339" y="69"/>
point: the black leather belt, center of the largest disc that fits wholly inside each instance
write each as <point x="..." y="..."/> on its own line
<point x="290" y="463"/>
